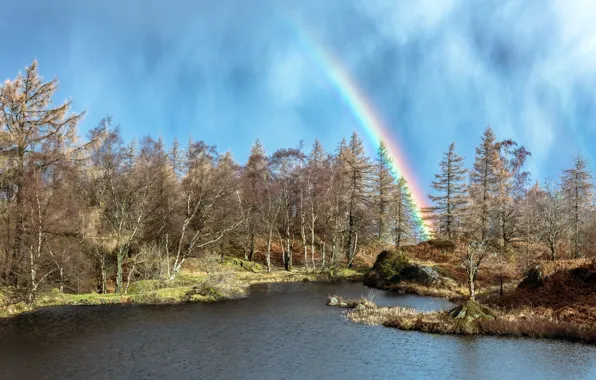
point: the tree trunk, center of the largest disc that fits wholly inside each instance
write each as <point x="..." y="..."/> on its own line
<point x="119" y="260"/>
<point x="102" y="263"/>
<point x="269" y="238"/>
<point x="252" y="246"/>
<point x="471" y="287"/>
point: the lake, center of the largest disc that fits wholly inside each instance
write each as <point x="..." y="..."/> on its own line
<point x="282" y="331"/>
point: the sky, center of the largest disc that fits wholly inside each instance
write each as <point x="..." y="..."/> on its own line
<point x="229" y="72"/>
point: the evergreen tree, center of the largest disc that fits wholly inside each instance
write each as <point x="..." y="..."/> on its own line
<point x="254" y="177"/>
<point x="452" y="189"/>
<point x="382" y="188"/>
<point x="577" y="187"/>
<point x="404" y="222"/>
<point x="483" y="187"/>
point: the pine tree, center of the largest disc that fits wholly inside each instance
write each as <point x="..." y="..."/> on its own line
<point x="382" y="188"/>
<point x="578" y="190"/>
<point x="483" y="187"/>
<point x="404" y="222"/>
<point x="450" y="184"/>
<point x="253" y="182"/>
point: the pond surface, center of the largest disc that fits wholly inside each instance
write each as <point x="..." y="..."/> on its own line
<point x="282" y="331"/>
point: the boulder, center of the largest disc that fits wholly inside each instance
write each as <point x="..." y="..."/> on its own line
<point x="359" y="307"/>
<point x="534" y="279"/>
<point x="420" y="274"/>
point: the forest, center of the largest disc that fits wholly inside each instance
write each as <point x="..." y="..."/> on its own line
<point x="97" y="214"/>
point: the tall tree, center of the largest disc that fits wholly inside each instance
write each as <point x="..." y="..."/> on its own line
<point x="511" y="182"/>
<point x="451" y="200"/>
<point x="578" y="190"/>
<point x="254" y="177"/>
<point x="382" y="189"/>
<point x="402" y="206"/>
<point x="209" y="191"/>
<point x="356" y="172"/>
<point x="35" y="136"/>
<point x="551" y="208"/>
<point x="484" y="186"/>
<point x="285" y="164"/>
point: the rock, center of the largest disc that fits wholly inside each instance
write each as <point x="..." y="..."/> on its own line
<point x="534" y="279"/>
<point x="420" y="274"/>
<point x="333" y="301"/>
<point x="359" y="307"/>
<point x="343" y="304"/>
<point x="585" y="275"/>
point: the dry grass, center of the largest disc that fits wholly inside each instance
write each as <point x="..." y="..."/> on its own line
<point x="421" y="290"/>
<point x="476" y="319"/>
<point x="568" y="294"/>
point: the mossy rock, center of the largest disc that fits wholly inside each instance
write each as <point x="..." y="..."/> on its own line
<point x="248" y="265"/>
<point x="471" y="310"/>
<point x="387" y="268"/>
<point x="142" y="286"/>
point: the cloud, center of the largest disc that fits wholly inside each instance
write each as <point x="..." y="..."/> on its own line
<point x="229" y="72"/>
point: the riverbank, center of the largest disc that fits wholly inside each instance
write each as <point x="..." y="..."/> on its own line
<point x="230" y="281"/>
<point x="554" y="300"/>
<point x="469" y="318"/>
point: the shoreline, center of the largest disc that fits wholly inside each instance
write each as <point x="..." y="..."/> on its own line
<point x="468" y="318"/>
<point x="191" y="288"/>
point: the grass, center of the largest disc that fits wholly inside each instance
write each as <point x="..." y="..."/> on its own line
<point x="469" y="318"/>
<point x="231" y="280"/>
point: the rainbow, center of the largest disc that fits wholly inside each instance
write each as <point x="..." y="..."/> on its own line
<point x="371" y="122"/>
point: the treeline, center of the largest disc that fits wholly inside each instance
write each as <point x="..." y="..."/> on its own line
<point x="99" y="214"/>
<point x="494" y="204"/>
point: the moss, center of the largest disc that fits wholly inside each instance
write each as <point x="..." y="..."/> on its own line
<point x="248" y="265"/>
<point x="390" y="263"/>
<point x="145" y="286"/>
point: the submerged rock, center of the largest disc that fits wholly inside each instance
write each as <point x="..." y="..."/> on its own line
<point x="333" y="301"/>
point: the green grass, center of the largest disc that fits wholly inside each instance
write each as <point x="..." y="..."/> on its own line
<point x="230" y="282"/>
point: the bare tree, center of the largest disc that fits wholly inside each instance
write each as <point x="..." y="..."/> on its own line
<point x="551" y="208"/>
<point x="578" y="190"/>
<point x="475" y="253"/>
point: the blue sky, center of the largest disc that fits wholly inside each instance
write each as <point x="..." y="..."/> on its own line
<point x="229" y="72"/>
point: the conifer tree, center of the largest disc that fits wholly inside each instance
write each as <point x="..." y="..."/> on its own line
<point x="577" y="187"/>
<point x="253" y="182"/>
<point x="382" y="188"/>
<point x="483" y="187"/>
<point x="404" y="222"/>
<point x="452" y="189"/>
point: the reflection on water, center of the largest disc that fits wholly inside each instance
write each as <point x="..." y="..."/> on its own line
<point x="283" y="331"/>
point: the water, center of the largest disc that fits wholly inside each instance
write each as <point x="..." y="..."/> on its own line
<point x="283" y="331"/>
